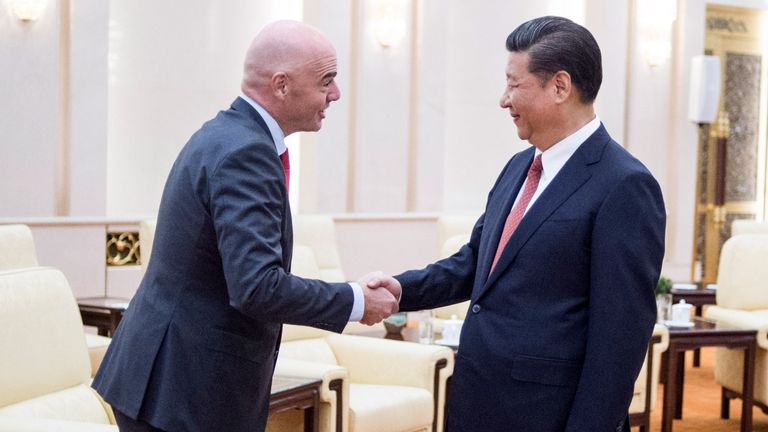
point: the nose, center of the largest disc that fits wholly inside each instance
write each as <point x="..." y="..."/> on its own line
<point x="334" y="94"/>
<point x="504" y="101"/>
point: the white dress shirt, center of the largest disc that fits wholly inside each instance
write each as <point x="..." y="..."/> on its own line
<point x="279" y="137"/>
<point x="553" y="160"/>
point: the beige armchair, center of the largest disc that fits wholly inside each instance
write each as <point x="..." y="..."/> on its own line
<point x="17" y="251"/>
<point x="642" y="400"/>
<point x="742" y="301"/>
<point x="369" y="384"/>
<point x="44" y="368"/>
<point x="364" y="379"/>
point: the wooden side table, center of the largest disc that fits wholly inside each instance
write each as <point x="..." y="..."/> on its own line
<point x="290" y="393"/>
<point x="698" y="298"/>
<point x="706" y="333"/>
<point x="104" y="313"/>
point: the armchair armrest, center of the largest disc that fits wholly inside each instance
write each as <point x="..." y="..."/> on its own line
<point x="16" y="424"/>
<point x="663" y="332"/>
<point x="97" y="347"/>
<point x="744" y="319"/>
<point x="334" y="390"/>
<point x="381" y="361"/>
<point x="328" y="373"/>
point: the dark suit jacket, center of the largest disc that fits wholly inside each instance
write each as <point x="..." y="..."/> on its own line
<point x="196" y="348"/>
<point x="556" y="335"/>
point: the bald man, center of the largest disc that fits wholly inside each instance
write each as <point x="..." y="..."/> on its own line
<point x="196" y="348"/>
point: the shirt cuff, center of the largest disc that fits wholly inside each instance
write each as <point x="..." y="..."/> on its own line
<point x="358" y="308"/>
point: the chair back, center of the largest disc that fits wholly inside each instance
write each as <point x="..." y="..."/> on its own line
<point x="744" y="226"/>
<point x="318" y="232"/>
<point x="42" y="335"/>
<point x="17" y="247"/>
<point x="743" y="273"/>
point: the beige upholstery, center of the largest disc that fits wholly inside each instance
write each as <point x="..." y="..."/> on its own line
<point x="742" y="301"/>
<point x="318" y="232"/>
<point x="45" y="368"/>
<point x="17" y="251"/>
<point x="387" y="385"/>
<point x="745" y="226"/>
<point x="17" y="247"/>
<point x="638" y="398"/>
<point x="146" y="237"/>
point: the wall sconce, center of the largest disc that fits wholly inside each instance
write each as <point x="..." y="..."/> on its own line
<point x="390" y="23"/>
<point x="654" y="22"/>
<point x="28" y="10"/>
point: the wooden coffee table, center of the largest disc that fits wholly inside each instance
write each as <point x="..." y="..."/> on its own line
<point x="705" y="333"/>
<point x="104" y="313"/>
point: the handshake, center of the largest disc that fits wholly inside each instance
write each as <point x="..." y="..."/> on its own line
<point x="382" y="295"/>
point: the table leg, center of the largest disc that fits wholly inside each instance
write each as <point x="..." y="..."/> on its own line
<point x="311" y="415"/>
<point x="680" y="384"/>
<point x="670" y="373"/>
<point x="697" y="352"/>
<point x="748" y="387"/>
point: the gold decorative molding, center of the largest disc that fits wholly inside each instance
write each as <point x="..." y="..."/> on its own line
<point x="123" y="249"/>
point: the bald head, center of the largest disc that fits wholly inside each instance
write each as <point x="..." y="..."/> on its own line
<point x="289" y="70"/>
<point x="282" y="46"/>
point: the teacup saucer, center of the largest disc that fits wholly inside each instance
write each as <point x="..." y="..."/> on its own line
<point x="679" y="324"/>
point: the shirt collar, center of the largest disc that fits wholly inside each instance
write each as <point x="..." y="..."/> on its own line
<point x="274" y="129"/>
<point x="555" y="157"/>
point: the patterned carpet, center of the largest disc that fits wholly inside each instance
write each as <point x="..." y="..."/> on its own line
<point x="701" y="404"/>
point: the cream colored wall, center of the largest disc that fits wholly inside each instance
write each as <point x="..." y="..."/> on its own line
<point x="141" y="77"/>
<point x="171" y="69"/>
<point x="29" y="122"/>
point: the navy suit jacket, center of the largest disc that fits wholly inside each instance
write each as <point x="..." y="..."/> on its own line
<point x="556" y="336"/>
<point x="196" y="348"/>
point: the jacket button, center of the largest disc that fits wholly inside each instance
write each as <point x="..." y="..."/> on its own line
<point x="476" y="308"/>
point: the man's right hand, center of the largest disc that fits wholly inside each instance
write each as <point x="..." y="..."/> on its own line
<point x="379" y="302"/>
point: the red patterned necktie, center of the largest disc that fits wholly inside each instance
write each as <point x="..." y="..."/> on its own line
<point x="286" y="168"/>
<point x="518" y="211"/>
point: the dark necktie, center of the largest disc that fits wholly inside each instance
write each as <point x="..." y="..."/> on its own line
<point x="516" y="215"/>
<point x="286" y="168"/>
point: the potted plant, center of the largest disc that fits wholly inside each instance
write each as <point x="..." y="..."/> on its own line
<point x="663" y="298"/>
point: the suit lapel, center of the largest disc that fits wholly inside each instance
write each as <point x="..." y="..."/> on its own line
<point x="508" y="191"/>
<point x="286" y="242"/>
<point x="571" y="177"/>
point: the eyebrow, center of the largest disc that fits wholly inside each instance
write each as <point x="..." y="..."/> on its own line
<point x="329" y="75"/>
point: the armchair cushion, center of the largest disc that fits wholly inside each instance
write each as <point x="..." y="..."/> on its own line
<point x="385" y="408"/>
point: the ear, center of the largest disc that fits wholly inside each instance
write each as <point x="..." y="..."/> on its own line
<point x="563" y="86"/>
<point x="279" y="85"/>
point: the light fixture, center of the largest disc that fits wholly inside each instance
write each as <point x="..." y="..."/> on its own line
<point x="28" y="10"/>
<point x="390" y="23"/>
<point x="654" y="22"/>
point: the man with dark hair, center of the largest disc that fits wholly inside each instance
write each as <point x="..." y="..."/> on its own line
<point x="561" y="267"/>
